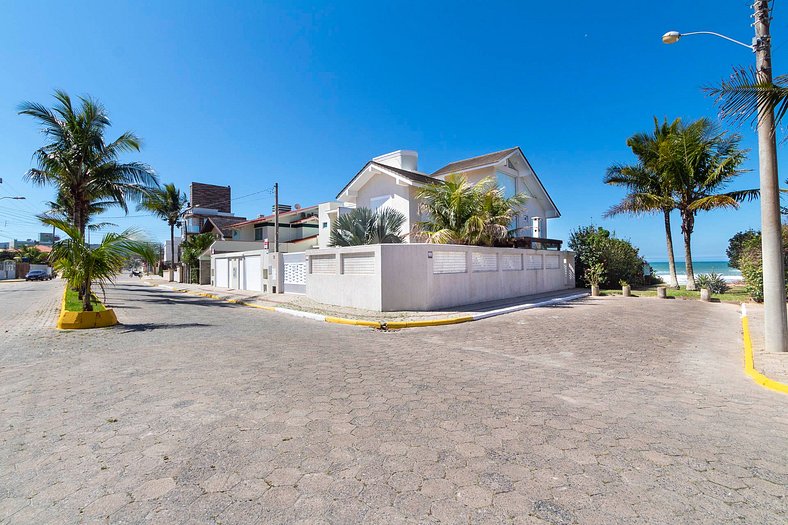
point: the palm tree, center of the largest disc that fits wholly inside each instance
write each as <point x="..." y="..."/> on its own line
<point x="461" y="213"/>
<point x="743" y="97"/>
<point x="79" y="162"/>
<point x="168" y="203"/>
<point x="83" y="266"/>
<point x="700" y="161"/>
<point x="192" y="248"/>
<point x="364" y="226"/>
<point x="648" y="186"/>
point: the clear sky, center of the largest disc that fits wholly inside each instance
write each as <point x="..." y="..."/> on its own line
<point x="303" y="93"/>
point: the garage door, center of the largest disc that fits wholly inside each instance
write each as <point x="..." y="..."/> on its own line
<point x="222" y="271"/>
<point x="253" y="274"/>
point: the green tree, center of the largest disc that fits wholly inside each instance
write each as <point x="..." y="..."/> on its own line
<point x="169" y="204"/>
<point x="595" y="247"/>
<point x="33" y="255"/>
<point x="192" y="248"/>
<point x="737" y="245"/>
<point x="648" y="186"/>
<point x="83" y="266"/>
<point x="700" y="161"/>
<point x="461" y="213"/>
<point x="364" y="226"/>
<point x="80" y="163"/>
<point x="751" y="264"/>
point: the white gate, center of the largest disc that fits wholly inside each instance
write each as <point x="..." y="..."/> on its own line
<point x="295" y="273"/>
<point x="222" y="275"/>
<point x="253" y="273"/>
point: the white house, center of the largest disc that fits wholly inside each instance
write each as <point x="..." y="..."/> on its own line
<point x="393" y="180"/>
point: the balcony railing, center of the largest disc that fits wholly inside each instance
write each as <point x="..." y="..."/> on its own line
<point x="533" y="243"/>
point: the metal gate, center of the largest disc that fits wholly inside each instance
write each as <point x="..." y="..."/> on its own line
<point x="295" y="273"/>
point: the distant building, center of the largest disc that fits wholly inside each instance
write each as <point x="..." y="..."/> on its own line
<point x="16" y="244"/>
<point x="47" y="238"/>
<point x="4" y="245"/>
<point x="210" y="211"/>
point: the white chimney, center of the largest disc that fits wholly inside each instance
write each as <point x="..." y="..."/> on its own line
<point x="403" y="158"/>
<point x="537" y="228"/>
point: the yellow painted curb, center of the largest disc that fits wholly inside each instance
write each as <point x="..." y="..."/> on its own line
<point x="355" y="322"/>
<point x="427" y="322"/>
<point x="83" y="320"/>
<point x="749" y="363"/>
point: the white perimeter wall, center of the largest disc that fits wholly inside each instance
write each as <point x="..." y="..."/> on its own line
<point x="393" y="277"/>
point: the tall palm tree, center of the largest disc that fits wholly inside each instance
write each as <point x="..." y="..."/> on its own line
<point x="742" y="97"/>
<point x="168" y="203"/>
<point x="83" y="266"/>
<point x="701" y="161"/>
<point x="461" y="213"/>
<point x="648" y="187"/>
<point x="364" y="226"/>
<point x="80" y="163"/>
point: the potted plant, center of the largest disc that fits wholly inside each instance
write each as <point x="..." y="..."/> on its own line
<point x="626" y="290"/>
<point x="593" y="276"/>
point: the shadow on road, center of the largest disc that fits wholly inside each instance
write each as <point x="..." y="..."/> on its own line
<point x="149" y="327"/>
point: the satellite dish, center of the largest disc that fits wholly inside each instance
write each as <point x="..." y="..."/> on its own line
<point x="297" y="206"/>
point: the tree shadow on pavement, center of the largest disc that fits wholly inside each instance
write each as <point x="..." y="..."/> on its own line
<point x="148" y="327"/>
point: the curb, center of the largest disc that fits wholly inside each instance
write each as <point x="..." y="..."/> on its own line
<point x="382" y="325"/>
<point x="84" y="320"/>
<point x="749" y="362"/>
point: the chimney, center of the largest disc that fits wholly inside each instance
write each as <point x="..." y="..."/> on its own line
<point x="403" y="158"/>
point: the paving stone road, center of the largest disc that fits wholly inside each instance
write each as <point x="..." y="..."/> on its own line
<point x="603" y="411"/>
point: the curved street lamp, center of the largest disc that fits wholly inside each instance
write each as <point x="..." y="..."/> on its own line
<point x="775" y="323"/>
<point x="671" y="37"/>
<point x="14" y="198"/>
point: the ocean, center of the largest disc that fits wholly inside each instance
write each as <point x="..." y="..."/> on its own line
<point x="721" y="267"/>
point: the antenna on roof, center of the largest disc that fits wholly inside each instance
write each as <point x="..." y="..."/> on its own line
<point x="297" y="206"/>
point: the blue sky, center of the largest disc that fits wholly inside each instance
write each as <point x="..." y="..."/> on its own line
<point x="304" y="93"/>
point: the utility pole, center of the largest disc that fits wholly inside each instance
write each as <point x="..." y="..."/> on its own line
<point x="276" y="217"/>
<point x="776" y="329"/>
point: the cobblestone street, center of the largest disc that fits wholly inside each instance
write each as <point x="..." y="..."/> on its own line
<point x="601" y="411"/>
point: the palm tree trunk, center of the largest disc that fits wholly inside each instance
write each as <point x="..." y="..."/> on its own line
<point x="687" y="226"/>
<point x="86" y="304"/>
<point x="674" y="282"/>
<point x="172" y="252"/>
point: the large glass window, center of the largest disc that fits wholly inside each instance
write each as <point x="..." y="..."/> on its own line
<point x="506" y="183"/>
<point x="258" y="234"/>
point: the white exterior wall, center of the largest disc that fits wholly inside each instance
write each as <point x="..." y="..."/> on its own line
<point x="251" y="270"/>
<point x="408" y="276"/>
<point x="400" y="197"/>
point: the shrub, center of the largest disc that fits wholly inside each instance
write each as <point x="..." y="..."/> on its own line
<point x="594" y="274"/>
<point x="620" y="260"/>
<point x="737" y="244"/>
<point x="713" y="281"/>
<point x="751" y="265"/>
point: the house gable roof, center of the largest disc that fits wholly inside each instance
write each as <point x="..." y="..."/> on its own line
<point x="474" y="162"/>
<point x="223" y="224"/>
<point x="411" y="176"/>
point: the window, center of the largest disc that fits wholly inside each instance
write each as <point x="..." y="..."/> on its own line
<point x="379" y="202"/>
<point x="509" y="187"/>
<point x="258" y="234"/>
<point x="325" y="225"/>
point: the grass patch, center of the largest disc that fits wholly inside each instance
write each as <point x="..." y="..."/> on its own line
<point x="736" y="293"/>
<point x="73" y="304"/>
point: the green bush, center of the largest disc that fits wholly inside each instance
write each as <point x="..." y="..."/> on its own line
<point x="713" y="281"/>
<point x="620" y="260"/>
<point x="738" y="244"/>
<point x="751" y="265"/>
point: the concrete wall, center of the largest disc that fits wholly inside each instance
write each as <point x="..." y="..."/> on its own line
<point x="422" y="277"/>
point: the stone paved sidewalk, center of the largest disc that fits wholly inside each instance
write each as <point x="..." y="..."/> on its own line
<point x="304" y="304"/>
<point x="607" y="411"/>
<point x="772" y="365"/>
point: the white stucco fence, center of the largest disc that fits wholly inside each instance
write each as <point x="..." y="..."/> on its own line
<point x="391" y="277"/>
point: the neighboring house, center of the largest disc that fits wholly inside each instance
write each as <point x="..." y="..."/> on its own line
<point x="210" y="210"/>
<point x="393" y="181"/>
<point x="298" y="229"/>
<point x="168" y="251"/>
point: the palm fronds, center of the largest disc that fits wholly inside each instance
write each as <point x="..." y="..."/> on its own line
<point x="363" y="226"/>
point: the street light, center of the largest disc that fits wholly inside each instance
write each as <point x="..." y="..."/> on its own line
<point x="671" y="37"/>
<point x="775" y="323"/>
<point x="14" y="198"/>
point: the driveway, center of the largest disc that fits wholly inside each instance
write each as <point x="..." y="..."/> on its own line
<point x="605" y="411"/>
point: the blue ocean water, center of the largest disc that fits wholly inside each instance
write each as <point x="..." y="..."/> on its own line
<point x="699" y="267"/>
